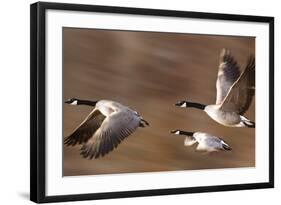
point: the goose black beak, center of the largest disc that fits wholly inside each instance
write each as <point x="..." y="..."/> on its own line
<point x="173" y="131"/>
<point x="68" y="101"/>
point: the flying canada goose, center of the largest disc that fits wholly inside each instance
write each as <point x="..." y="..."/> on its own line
<point x="234" y="93"/>
<point x="206" y="142"/>
<point x="104" y="128"/>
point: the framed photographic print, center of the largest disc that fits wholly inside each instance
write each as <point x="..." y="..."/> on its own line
<point x="129" y="102"/>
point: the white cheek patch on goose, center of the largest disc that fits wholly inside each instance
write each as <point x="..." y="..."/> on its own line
<point x="177" y="132"/>
<point x="74" y="102"/>
<point x="183" y="105"/>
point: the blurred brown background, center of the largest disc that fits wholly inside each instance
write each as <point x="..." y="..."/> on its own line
<point x="150" y="72"/>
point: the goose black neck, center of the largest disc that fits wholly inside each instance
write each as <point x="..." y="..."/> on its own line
<point x="195" y="105"/>
<point x="186" y="133"/>
<point x="86" y="102"/>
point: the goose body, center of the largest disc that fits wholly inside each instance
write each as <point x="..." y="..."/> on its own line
<point x="230" y="119"/>
<point x="234" y="93"/>
<point x="206" y="142"/>
<point x="104" y="128"/>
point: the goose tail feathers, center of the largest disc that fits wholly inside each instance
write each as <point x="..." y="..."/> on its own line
<point x="247" y="123"/>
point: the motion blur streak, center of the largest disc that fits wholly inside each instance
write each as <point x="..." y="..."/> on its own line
<point x="149" y="72"/>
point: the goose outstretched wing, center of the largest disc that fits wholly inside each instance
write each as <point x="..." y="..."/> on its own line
<point x="86" y="129"/>
<point x="241" y="93"/>
<point x="114" y="129"/>
<point x="228" y="73"/>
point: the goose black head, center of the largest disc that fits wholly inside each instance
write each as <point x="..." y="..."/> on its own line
<point x="176" y="132"/>
<point x="72" y="101"/>
<point x="181" y="132"/>
<point x="75" y="101"/>
<point x="181" y="103"/>
<point x="186" y="104"/>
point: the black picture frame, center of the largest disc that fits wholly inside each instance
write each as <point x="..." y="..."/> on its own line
<point x="38" y="100"/>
